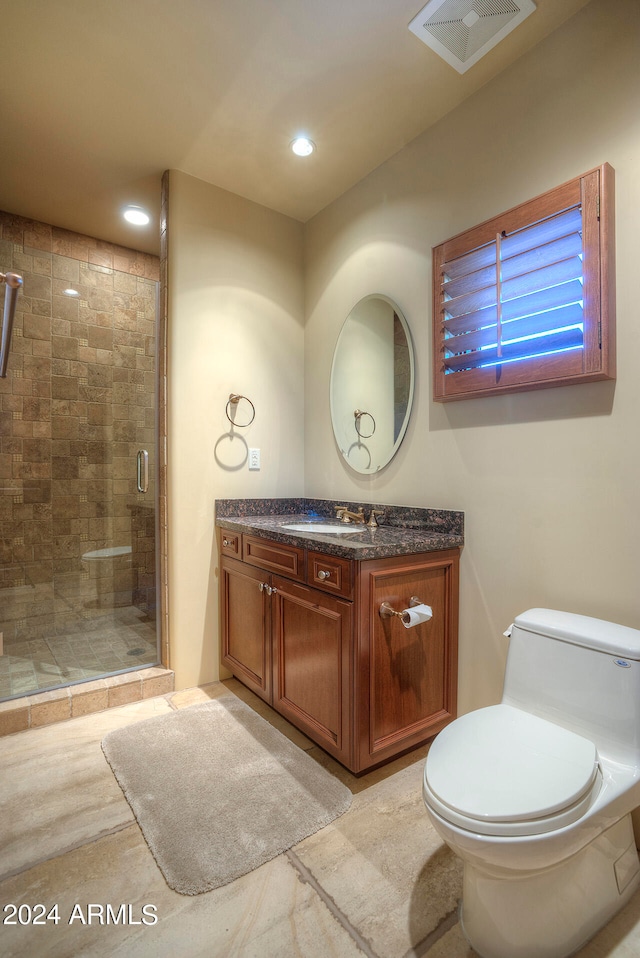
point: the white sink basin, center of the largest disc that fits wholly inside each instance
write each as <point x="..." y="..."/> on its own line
<point x="328" y="528"/>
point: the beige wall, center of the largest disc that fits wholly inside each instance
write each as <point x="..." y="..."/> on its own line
<point x="235" y="326"/>
<point x="548" y="480"/>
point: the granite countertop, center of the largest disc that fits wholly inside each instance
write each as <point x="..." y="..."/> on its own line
<point x="402" y="530"/>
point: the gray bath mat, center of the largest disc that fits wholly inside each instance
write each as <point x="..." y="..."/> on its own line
<point x="218" y="791"/>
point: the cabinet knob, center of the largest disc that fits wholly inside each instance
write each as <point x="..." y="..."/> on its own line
<point x="323" y="574"/>
<point x="225" y="542"/>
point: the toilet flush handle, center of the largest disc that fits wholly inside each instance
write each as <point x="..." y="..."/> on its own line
<point x="143" y="470"/>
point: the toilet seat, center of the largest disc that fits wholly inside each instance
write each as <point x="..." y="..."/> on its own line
<point x="503" y="771"/>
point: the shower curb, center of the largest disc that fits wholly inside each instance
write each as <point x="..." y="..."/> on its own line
<point x="72" y="701"/>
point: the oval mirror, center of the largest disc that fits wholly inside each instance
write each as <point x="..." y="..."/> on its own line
<point x="372" y="380"/>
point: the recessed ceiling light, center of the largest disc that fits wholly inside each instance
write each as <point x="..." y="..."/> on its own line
<point x="70" y="292"/>
<point x="136" y="215"/>
<point x="303" y="146"/>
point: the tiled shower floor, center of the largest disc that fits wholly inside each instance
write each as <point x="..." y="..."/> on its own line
<point x="123" y="638"/>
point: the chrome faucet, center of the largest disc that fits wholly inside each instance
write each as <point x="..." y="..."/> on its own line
<point x="344" y="515"/>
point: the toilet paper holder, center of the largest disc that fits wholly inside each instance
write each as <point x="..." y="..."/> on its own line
<point x="386" y="609"/>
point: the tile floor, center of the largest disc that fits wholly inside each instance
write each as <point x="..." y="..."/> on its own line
<point x="68" y="838"/>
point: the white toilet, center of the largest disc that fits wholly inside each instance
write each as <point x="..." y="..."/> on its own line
<point x="535" y="794"/>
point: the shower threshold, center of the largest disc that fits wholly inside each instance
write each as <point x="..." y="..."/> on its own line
<point x="38" y="709"/>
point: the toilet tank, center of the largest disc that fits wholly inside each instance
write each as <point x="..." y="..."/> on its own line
<point x="581" y="673"/>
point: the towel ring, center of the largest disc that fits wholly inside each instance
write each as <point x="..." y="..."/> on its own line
<point x="358" y="414"/>
<point x="232" y="404"/>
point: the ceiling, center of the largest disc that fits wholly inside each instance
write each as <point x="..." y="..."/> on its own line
<point x="98" y="99"/>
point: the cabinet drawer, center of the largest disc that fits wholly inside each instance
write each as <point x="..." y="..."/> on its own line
<point x="330" y="573"/>
<point x="274" y="556"/>
<point x="230" y="543"/>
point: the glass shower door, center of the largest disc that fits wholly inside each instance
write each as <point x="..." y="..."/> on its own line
<point x="78" y="428"/>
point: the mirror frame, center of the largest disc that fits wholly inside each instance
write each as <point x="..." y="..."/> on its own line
<point x="343" y="441"/>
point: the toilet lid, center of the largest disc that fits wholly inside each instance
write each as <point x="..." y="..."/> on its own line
<point x="500" y="764"/>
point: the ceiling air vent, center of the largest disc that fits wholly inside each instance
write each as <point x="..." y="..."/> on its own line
<point x="462" y="31"/>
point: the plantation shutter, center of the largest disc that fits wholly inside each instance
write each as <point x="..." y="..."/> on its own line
<point x="518" y="300"/>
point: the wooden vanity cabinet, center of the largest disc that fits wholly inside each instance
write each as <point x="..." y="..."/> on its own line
<point x="312" y="651"/>
<point x="312" y="643"/>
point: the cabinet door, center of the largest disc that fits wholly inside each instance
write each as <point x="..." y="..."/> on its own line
<point x="406" y="678"/>
<point x="312" y="675"/>
<point x="246" y="640"/>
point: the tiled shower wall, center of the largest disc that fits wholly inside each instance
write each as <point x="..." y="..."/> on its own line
<point x="78" y="402"/>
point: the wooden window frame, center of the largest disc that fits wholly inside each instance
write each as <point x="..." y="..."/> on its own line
<point x="594" y="193"/>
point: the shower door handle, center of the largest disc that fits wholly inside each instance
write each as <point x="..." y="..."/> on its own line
<point x="143" y="470"/>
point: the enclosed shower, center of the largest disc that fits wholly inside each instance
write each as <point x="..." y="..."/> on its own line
<point x="78" y="428"/>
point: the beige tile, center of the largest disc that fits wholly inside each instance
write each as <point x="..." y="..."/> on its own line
<point x="49" y="707"/>
<point x="89" y="697"/>
<point x="156" y="681"/>
<point x="385" y="867"/>
<point x="364" y="782"/>
<point x="195" y="696"/>
<point x="269" y="913"/>
<point x="14" y="716"/>
<point x="124" y="689"/>
<point x="452" y="945"/>
<point x="56" y="787"/>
